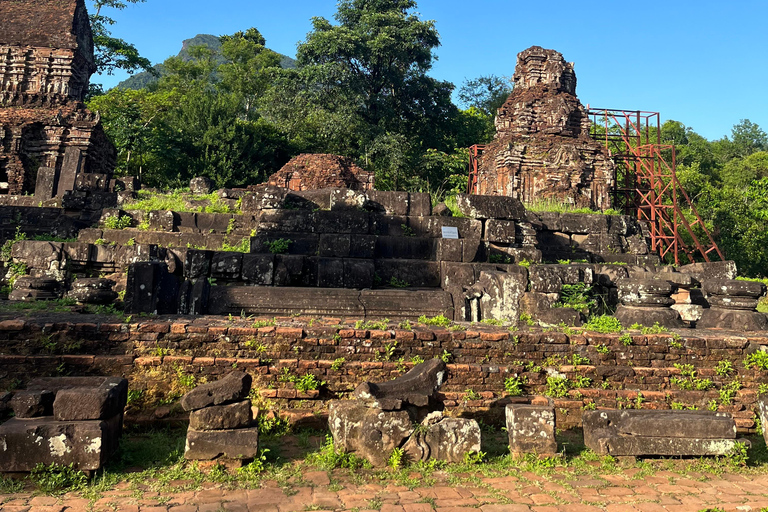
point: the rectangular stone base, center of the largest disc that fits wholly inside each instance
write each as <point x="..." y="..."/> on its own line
<point x="242" y="443"/>
<point x="87" y="444"/>
<point x="607" y="443"/>
<point x="531" y="429"/>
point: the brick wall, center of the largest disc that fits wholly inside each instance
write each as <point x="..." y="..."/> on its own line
<point x="152" y="354"/>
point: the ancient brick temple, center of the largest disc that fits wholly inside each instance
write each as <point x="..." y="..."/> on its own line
<point x="542" y="148"/>
<point x="49" y="141"/>
<point x="311" y="171"/>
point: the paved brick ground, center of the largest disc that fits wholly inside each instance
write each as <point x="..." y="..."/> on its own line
<point x="321" y="491"/>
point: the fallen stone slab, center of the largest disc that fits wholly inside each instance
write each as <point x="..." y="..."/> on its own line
<point x="447" y="439"/>
<point x="242" y="444"/>
<point x="370" y="433"/>
<point x="531" y="429"/>
<point x="86" y="445"/>
<point x="234" y="387"/>
<point x="416" y="388"/>
<point x="222" y="417"/>
<point x="662" y="433"/>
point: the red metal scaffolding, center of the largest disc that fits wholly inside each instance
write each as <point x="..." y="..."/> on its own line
<point x="646" y="184"/>
<point x="474" y="153"/>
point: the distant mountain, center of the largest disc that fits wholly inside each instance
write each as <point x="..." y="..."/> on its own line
<point x="144" y="79"/>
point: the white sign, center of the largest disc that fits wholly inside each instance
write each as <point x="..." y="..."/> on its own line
<point x="450" y="232"/>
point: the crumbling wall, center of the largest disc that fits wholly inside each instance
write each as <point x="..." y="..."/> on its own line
<point x="310" y="171"/>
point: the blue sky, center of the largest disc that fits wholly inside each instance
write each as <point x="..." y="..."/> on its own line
<point x="703" y="63"/>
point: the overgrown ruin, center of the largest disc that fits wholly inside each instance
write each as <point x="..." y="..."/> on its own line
<point x="317" y="286"/>
<point x="542" y="149"/>
<point x="50" y="144"/>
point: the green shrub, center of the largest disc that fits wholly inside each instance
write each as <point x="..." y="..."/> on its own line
<point x="576" y="296"/>
<point x="557" y="387"/>
<point x="115" y="222"/>
<point x="603" y="324"/>
<point x="439" y="320"/>
<point x="757" y="360"/>
<point x="279" y="246"/>
<point x="514" y="385"/>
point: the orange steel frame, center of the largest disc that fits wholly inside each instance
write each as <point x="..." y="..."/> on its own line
<point x="474" y="153"/>
<point x="646" y="184"/>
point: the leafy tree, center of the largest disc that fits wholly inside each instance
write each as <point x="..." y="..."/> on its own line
<point x="362" y="89"/>
<point x="111" y="52"/>
<point x="485" y="93"/>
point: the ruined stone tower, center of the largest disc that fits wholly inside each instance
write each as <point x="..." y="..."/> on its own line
<point x="542" y="148"/>
<point x="49" y="142"/>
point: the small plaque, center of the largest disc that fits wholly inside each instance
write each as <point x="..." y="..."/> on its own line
<point x="450" y="232"/>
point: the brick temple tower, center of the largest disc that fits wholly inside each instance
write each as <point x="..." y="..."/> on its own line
<point x="49" y="142"/>
<point x="542" y="148"/>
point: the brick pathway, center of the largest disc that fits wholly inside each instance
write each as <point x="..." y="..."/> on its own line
<point x="333" y="491"/>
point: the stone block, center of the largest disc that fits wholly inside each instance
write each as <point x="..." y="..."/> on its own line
<point x="294" y="270"/>
<point x="334" y="245"/>
<point x="280" y="301"/>
<point x="399" y="247"/>
<point x="710" y="270"/>
<point x="348" y="199"/>
<point x="309" y="199"/>
<point x="419" y="204"/>
<point x="762" y="413"/>
<point x="354" y="222"/>
<point x="226" y="265"/>
<point x="358" y="273"/>
<point x="732" y="319"/>
<point x="85" y="444"/>
<point x="197" y="264"/>
<point x="446" y="439"/>
<point x="531" y="429"/>
<point x="450" y="250"/>
<point x="234" y="387"/>
<point x="490" y="207"/>
<point x="93" y="291"/>
<point x="32" y="403"/>
<point x="416" y="273"/>
<point x="201" y="185"/>
<point x="502" y="231"/>
<point x="732" y="287"/>
<point x="88" y="398"/>
<point x="298" y="243"/>
<point x="473" y="250"/>
<point x="648" y="316"/>
<point x="406" y="304"/>
<point x="45" y="186"/>
<point x="258" y="269"/>
<point x="161" y="220"/>
<point x="288" y="221"/>
<point x="659" y="433"/>
<point x="266" y="198"/>
<point x="237" y="444"/>
<point x="330" y="273"/>
<point x="222" y="417"/>
<point x="38" y="255"/>
<point x="501" y="292"/>
<point x="362" y="246"/>
<point x="391" y="203"/>
<point x="367" y="432"/>
<point x="151" y="289"/>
